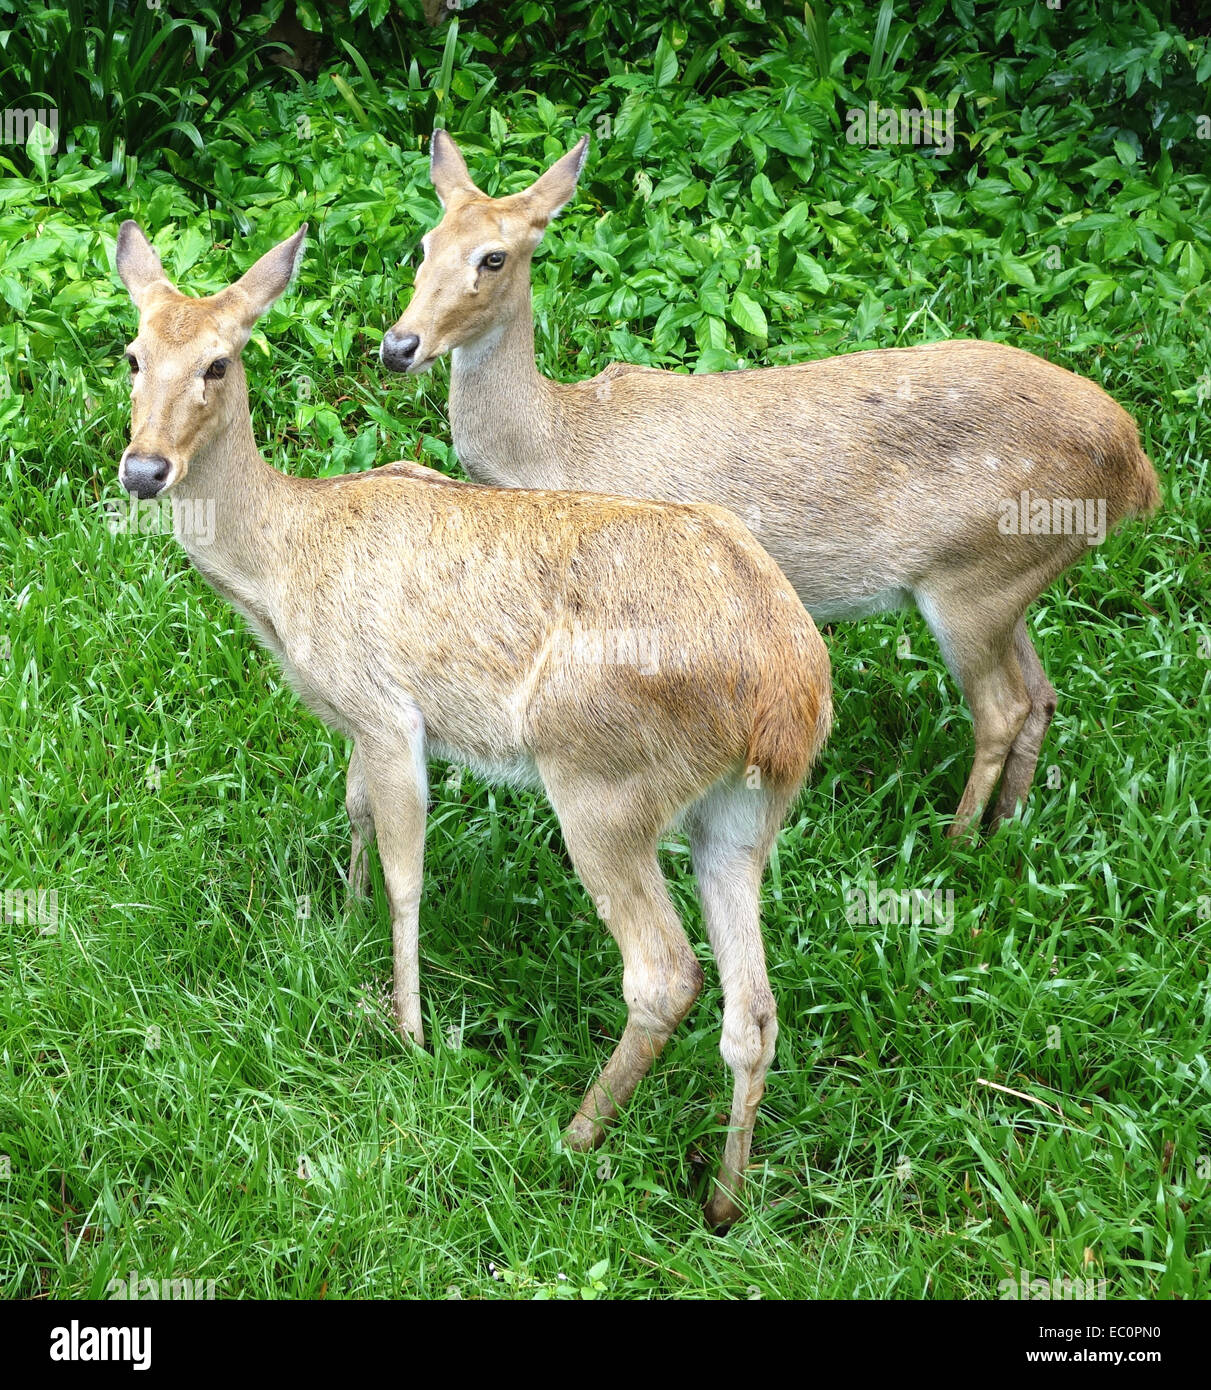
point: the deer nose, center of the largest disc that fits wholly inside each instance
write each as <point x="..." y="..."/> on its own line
<point x="397" y="353"/>
<point x="144" y="474"/>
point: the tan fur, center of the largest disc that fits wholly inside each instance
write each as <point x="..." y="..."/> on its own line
<point x="876" y="479"/>
<point x="426" y="617"/>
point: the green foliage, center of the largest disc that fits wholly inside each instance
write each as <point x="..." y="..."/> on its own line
<point x="724" y="217"/>
<point x="130" y="80"/>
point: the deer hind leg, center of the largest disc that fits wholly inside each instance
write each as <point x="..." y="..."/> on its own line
<point x="1024" y="755"/>
<point x="361" y="822"/>
<point x="397" y="790"/>
<point x="979" y="651"/>
<point x="732" y="830"/>
<point x="613" y="843"/>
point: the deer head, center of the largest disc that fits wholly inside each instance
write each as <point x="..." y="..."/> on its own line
<point x="476" y="272"/>
<point x="187" y="380"/>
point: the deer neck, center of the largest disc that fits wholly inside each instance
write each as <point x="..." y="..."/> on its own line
<point x="502" y="409"/>
<point x="231" y="514"/>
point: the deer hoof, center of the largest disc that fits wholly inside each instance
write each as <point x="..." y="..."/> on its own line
<point x="583" y="1134"/>
<point x="722" y="1214"/>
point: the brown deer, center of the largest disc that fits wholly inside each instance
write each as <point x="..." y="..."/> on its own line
<point x="643" y="663"/>
<point x="947" y="476"/>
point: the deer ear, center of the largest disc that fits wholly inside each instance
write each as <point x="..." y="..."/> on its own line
<point x="262" y="284"/>
<point x="448" y="168"/>
<point x="550" y="191"/>
<point x="139" y="265"/>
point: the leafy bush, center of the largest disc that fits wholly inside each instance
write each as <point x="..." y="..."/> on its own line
<point x="130" y="80"/>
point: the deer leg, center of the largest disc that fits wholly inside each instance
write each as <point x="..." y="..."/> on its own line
<point x="615" y="858"/>
<point x="981" y="657"/>
<point x="397" y="788"/>
<point x="999" y="704"/>
<point x="732" y="830"/>
<point x="361" y="821"/>
<point x="1024" y="755"/>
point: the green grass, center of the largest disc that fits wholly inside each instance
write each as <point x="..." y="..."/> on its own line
<point x="184" y="1039"/>
<point x="197" y="1075"/>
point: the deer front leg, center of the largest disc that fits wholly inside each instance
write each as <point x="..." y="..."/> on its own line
<point x="361" y="823"/>
<point x="397" y="788"/>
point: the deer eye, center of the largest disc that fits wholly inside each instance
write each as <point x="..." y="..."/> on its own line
<point x="133" y="363"/>
<point x="217" y="369"/>
<point x="493" y="260"/>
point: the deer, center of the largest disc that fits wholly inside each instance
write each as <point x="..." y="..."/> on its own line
<point x="425" y="617"/>
<point x="943" y="476"/>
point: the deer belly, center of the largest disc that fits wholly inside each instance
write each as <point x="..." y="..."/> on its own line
<point x="515" y="770"/>
<point x="838" y="607"/>
<point x="314" y="700"/>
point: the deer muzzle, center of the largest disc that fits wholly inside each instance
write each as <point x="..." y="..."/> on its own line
<point x="144" y="474"/>
<point x="398" y="352"/>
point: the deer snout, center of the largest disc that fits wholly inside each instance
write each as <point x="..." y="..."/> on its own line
<point x="398" y="352"/>
<point x="144" y="474"/>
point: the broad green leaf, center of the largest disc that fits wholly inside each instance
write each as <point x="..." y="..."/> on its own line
<point x="817" y="276"/>
<point x="1120" y="239"/>
<point x="17" y="295"/>
<point x="40" y="147"/>
<point x="666" y="63"/>
<point x="746" y="313"/>
<point x="189" y="246"/>
<point x="1101" y="287"/>
<point x="668" y="186"/>
<point x="1190" y="268"/>
<point x="788" y="136"/>
<point x="718" y="137"/>
<point x="1017" y="272"/>
<point x="763" y="191"/>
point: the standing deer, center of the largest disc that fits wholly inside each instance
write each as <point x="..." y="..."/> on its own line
<point x="424" y="617"/>
<point x="876" y="480"/>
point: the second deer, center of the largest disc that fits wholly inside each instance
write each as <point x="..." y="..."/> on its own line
<point x="877" y="480"/>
